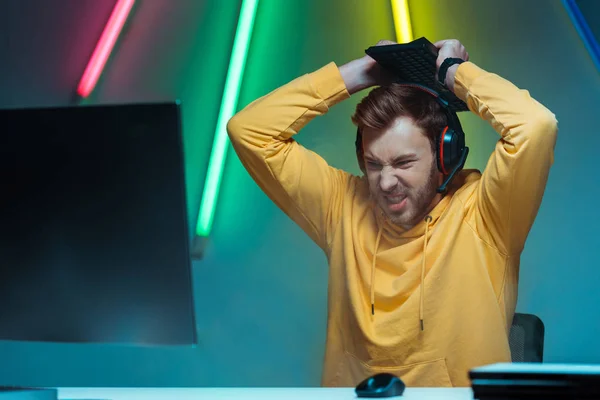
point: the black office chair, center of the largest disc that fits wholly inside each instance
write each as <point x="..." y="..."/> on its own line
<point x="526" y="338"/>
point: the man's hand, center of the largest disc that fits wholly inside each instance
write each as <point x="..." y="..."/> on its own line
<point x="450" y="48"/>
<point x="364" y="72"/>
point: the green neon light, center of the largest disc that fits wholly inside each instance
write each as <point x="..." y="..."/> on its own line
<point x="229" y="102"/>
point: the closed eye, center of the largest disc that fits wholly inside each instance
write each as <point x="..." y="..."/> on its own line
<point x="404" y="163"/>
<point x="399" y="163"/>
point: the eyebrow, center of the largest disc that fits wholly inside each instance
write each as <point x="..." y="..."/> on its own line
<point x="397" y="159"/>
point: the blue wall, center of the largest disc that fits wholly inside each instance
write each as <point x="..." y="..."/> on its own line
<point x="261" y="308"/>
<point x="538" y="49"/>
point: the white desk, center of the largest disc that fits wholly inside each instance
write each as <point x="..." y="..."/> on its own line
<point x="250" y="394"/>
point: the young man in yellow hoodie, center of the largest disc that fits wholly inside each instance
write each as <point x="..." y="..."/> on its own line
<point x="422" y="284"/>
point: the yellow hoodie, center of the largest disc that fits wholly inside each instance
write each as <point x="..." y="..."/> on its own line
<point x="445" y="291"/>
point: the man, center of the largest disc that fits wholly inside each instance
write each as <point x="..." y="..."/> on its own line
<point x="421" y="284"/>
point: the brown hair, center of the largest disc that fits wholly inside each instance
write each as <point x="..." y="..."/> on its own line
<point x="383" y="105"/>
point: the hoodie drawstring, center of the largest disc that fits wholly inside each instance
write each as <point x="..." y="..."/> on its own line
<point x="373" y="270"/>
<point x="423" y="259"/>
<point x="422" y="296"/>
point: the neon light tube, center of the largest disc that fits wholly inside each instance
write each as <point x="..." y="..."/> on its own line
<point x="229" y="102"/>
<point x="104" y="47"/>
<point x="584" y="30"/>
<point x="402" y="21"/>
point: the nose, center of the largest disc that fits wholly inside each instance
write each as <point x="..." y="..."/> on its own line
<point x="387" y="181"/>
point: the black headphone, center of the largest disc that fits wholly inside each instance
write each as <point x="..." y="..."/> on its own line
<point x="451" y="152"/>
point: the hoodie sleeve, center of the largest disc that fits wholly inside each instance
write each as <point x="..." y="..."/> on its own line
<point x="510" y="190"/>
<point x="297" y="180"/>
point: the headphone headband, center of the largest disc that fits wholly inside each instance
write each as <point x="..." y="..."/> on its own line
<point x="426" y="89"/>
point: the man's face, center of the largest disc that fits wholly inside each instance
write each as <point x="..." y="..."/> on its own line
<point x="401" y="171"/>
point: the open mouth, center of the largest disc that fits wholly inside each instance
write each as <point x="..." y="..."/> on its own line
<point x="396" y="203"/>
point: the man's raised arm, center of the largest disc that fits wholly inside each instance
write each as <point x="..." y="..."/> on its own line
<point x="297" y="180"/>
<point x="513" y="183"/>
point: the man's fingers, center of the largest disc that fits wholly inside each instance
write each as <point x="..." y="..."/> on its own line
<point x="384" y="42"/>
<point x="440" y="43"/>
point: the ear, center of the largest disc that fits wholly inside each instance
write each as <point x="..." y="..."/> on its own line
<point x="361" y="162"/>
<point x="358" y="144"/>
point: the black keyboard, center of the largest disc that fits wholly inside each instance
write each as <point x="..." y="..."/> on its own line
<point x="415" y="62"/>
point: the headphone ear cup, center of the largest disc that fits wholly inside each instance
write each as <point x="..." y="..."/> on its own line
<point x="438" y="162"/>
<point x="451" y="148"/>
<point x="442" y="150"/>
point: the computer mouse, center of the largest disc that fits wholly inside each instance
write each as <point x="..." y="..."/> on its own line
<point x="380" y="385"/>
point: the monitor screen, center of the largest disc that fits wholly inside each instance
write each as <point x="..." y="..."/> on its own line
<point x="94" y="243"/>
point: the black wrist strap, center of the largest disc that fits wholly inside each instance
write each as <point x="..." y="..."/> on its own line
<point x="448" y="62"/>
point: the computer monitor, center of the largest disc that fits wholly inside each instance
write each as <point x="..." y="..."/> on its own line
<point x="94" y="241"/>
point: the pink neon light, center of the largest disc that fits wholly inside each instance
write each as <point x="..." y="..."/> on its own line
<point x="104" y="47"/>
